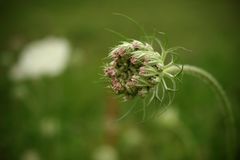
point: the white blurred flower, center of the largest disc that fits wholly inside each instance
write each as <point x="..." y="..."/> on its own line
<point x="169" y="118"/>
<point x="105" y="152"/>
<point x="49" y="127"/>
<point x="30" y="155"/>
<point x="46" y="57"/>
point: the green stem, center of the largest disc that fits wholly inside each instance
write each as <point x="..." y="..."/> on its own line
<point x="226" y="107"/>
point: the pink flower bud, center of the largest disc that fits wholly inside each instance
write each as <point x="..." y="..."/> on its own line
<point x="133" y="60"/>
<point x="121" y="52"/>
<point x="136" y="45"/>
<point x="142" y="70"/>
<point x="116" y="85"/>
<point x="110" y="72"/>
<point x="114" y="53"/>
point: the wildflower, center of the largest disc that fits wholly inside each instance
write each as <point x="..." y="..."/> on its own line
<point x="116" y="85"/>
<point x="121" y="51"/>
<point x="136" y="45"/>
<point x="142" y="70"/>
<point x="135" y="69"/>
<point x="133" y="60"/>
<point x="47" y="57"/>
<point x="110" y="72"/>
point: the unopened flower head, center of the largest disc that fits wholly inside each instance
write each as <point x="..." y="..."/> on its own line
<point x="135" y="69"/>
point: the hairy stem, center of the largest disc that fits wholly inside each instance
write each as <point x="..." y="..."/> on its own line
<point x="226" y="107"/>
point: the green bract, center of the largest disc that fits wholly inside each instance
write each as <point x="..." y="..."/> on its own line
<point x="135" y="69"/>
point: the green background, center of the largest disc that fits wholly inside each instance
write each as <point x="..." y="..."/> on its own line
<point x="85" y="110"/>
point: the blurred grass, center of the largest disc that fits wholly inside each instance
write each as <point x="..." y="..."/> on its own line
<point x="78" y="98"/>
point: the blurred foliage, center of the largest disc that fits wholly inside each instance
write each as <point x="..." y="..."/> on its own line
<point x="73" y="116"/>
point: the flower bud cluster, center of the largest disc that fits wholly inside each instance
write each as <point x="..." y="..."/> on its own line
<point x="134" y="69"/>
